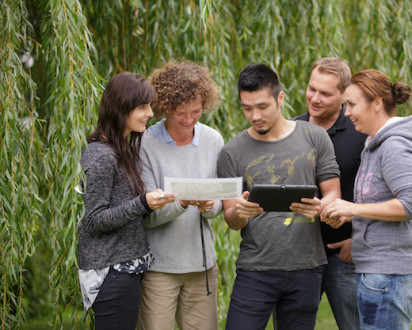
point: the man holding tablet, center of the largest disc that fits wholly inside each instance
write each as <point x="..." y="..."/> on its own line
<point x="281" y="256"/>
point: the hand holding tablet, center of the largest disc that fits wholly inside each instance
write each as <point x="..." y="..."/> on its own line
<point x="278" y="198"/>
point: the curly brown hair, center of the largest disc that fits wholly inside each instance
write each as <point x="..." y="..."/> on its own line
<point x="181" y="82"/>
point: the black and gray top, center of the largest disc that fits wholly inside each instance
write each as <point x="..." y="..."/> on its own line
<point x="111" y="231"/>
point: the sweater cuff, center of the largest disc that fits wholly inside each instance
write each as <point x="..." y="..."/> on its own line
<point x="144" y="202"/>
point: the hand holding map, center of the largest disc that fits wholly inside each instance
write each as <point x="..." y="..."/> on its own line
<point x="204" y="189"/>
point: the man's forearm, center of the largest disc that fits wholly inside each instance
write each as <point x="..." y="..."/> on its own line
<point x="233" y="220"/>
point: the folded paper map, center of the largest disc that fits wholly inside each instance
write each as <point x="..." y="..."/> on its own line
<point x="204" y="189"/>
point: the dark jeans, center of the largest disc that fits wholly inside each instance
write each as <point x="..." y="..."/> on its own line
<point x="296" y="295"/>
<point x="117" y="304"/>
<point x="339" y="283"/>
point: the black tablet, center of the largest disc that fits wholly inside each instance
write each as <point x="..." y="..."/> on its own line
<point x="277" y="198"/>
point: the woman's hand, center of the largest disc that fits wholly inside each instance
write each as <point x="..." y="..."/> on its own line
<point x="337" y="213"/>
<point x="158" y="199"/>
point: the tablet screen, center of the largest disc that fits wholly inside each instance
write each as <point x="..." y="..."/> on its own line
<point x="277" y="198"/>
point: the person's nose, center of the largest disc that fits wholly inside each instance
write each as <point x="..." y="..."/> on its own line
<point x="256" y="115"/>
<point x="150" y="112"/>
<point x="347" y="112"/>
<point x="316" y="97"/>
<point x="187" y="118"/>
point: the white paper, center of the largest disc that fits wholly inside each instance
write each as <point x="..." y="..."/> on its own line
<point x="204" y="189"/>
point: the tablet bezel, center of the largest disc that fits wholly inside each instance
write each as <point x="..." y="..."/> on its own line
<point x="278" y="198"/>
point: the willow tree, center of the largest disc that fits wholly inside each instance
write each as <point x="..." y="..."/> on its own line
<point x="20" y="147"/>
<point x="40" y="153"/>
<point x="57" y="55"/>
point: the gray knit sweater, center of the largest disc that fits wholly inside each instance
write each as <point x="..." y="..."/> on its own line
<point x="174" y="232"/>
<point x="111" y="230"/>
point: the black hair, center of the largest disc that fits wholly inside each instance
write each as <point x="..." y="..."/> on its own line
<point x="255" y="77"/>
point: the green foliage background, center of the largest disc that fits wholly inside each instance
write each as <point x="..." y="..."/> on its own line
<point x="47" y="109"/>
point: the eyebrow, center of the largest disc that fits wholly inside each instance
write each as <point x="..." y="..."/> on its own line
<point x="255" y="104"/>
<point x="197" y="109"/>
<point x="318" y="89"/>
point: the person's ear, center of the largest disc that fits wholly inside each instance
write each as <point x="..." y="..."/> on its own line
<point x="378" y="104"/>
<point x="281" y="98"/>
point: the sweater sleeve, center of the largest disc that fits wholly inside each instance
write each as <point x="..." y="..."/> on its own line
<point x="100" y="216"/>
<point x="397" y="170"/>
<point x="153" y="182"/>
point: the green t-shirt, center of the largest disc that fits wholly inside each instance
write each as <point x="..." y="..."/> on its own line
<point x="281" y="240"/>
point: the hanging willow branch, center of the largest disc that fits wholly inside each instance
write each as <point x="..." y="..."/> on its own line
<point x="74" y="91"/>
<point x="19" y="149"/>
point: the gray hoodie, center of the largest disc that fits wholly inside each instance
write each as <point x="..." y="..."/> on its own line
<point x="385" y="247"/>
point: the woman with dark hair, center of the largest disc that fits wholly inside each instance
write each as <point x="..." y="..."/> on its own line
<point x="382" y="214"/>
<point x="113" y="250"/>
